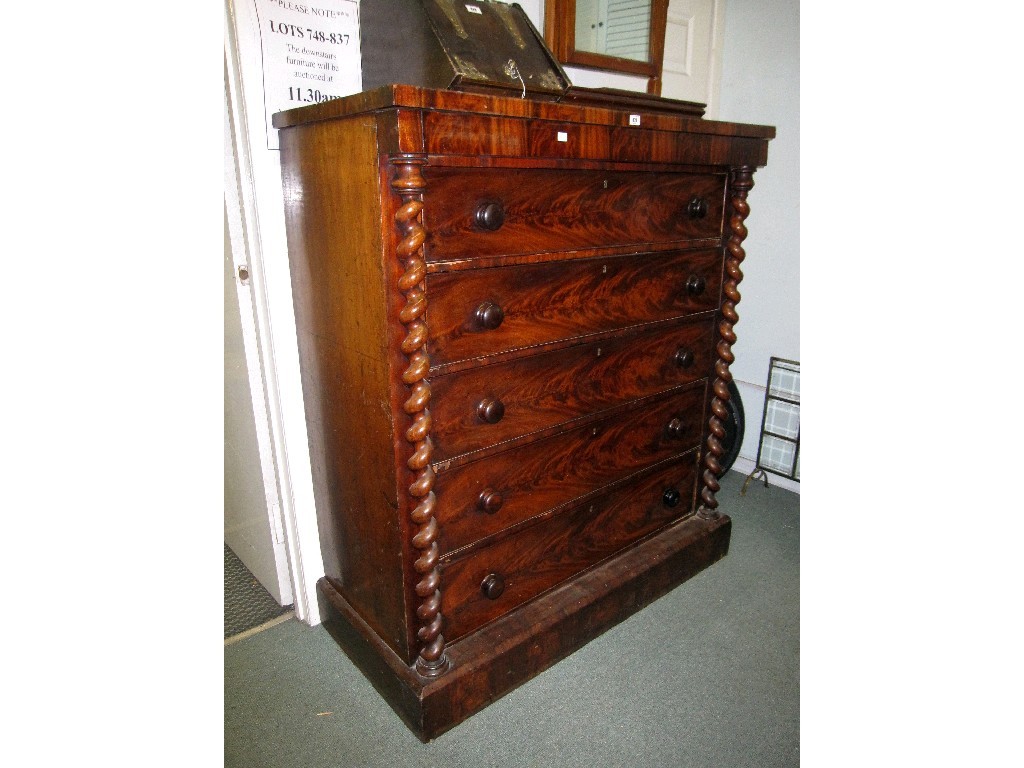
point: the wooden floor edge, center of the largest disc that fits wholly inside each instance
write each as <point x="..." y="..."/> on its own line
<point x="517" y="647"/>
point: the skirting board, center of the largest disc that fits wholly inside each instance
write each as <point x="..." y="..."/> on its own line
<point x="520" y="645"/>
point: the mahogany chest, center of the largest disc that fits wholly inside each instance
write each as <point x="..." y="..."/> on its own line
<point x="515" y="321"/>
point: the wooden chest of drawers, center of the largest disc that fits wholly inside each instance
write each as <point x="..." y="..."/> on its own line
<point x="515" y="322"/>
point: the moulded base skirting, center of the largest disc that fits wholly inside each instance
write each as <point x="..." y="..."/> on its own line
<point x="515" y="648"/>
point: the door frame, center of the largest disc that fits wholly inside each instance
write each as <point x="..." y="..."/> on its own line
<point x="259" y="209"/>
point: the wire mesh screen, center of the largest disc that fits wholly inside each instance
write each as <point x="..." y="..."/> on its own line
<point x="779" y="448"/>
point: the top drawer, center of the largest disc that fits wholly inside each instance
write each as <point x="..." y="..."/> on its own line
<point x="475" y="212"/>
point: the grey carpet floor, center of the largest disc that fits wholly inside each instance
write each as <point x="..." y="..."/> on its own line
<point x="706" y="676"/>
<point x="247" y="604"/>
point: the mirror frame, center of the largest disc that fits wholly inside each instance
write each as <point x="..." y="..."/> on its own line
<point x="560" y="35"/>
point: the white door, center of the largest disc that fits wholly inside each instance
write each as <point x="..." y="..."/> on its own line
<point x="253" y="525"/>
<point x="251" y="511"/>
<point x="693" y="52"/>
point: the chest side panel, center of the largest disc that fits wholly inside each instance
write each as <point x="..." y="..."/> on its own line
<point x="333" y="210"/>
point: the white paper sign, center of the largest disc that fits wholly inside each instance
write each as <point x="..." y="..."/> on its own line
<point x="310" y="53"/>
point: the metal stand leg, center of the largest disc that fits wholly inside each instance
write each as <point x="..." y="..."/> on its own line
<point x="757" y="472"/>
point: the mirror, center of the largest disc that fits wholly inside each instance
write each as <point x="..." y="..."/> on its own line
<point x="621" y="29"/>
<point x="616" y="35"/>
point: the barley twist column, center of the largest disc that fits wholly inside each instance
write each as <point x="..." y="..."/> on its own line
<point x="740" y="183"/>
<point x="408" y="182"/>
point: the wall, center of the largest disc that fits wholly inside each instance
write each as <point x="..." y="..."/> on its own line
<point x="761" y="84"/>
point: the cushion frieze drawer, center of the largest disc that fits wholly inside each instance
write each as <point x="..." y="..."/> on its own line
<point x="493" y="403"/>
<point x="495" y="493"/>
<point x="495" y="579"/>
<point x="473" y="212"/>
<point x="486" y="311"/>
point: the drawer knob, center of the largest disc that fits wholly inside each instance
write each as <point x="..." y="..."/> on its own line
<point x="695" y="285"/>
<point x="671" y="497"/>
<point x="490" y="501"/>
<point x="698" y="208"/>
<point x="491" y="410"/>
<point x="684" y="357"/>
<point x="492" y="586"/>
<point x="489" y="216"/>
<point x="489" y="315"/>
<point x="675" y="428"/>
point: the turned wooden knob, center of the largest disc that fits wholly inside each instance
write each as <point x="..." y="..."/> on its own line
<point x="489" y="501"/>
<point x="491" y="410"/>
<point x="489" y="216"/>
<point x="695" y="285"/>
<point x="489" y="315"/>
<point x="698" y="208"/>
<point x="671" y="497"/>
<point x="675" y="428"/>
<point x="492" y="586"/>
<point x="684" y="357"/>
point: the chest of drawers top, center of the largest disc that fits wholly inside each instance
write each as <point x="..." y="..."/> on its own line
<point x="453" y="123"/>
<point x="514" y="320"/>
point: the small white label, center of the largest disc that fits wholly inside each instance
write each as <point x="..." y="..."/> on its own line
<point x="474" y="9"/>
<point x="563" y="136"/>
<point x="634" y="119"/>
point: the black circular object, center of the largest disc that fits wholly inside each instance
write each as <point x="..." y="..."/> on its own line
<point x="735" y="426"/>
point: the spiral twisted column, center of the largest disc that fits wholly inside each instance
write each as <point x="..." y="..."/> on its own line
<point x="740" y="182"/>
<point x="408" y="182"/>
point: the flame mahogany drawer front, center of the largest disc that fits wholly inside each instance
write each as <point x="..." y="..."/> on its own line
<point x="514" y="323"/>
<point x="495" y="579"/>
<point x="494" y="212"/>
<point x="486" y="311"/>
<point x="497" y="492"/>
<point x="495" y="403"/>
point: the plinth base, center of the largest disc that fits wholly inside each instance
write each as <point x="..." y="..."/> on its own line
<point x="514" y="648"/>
